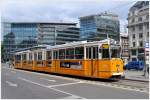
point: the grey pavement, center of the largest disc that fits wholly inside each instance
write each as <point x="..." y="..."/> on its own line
<point x="20" y="84"/>
<point x="135" y="75"/>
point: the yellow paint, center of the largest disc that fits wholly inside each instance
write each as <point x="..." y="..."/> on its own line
<point x="89" y="68"/>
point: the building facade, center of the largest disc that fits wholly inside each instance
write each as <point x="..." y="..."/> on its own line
<point x="124" y="41"/>
<point x="57" y="33"/>
<point x="97" y="27"/>
<point x="19" y="35"/>
<point x="138" y="29"/>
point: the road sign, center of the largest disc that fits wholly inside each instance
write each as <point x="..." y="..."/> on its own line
<point x="146" y="44"/>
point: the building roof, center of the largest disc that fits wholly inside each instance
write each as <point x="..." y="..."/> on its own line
<point x="100" y="14"/>
<point x="139" y="4"/>
<point x="54" y="23"/>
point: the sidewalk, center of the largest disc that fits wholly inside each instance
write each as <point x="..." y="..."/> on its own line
<point x="135" y="75"/>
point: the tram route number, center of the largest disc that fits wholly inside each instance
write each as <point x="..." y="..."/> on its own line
<point x="105" y="46"/>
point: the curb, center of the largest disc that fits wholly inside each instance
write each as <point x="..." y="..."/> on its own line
<point x="136" y="79"/>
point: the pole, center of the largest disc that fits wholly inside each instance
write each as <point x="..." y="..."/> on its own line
<point x="55" y="36"/>
<point x="109" y="46"/>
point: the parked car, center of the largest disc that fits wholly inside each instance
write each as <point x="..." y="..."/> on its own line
<point x="137" y="65"/>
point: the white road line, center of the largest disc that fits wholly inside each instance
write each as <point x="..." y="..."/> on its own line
<point x="78" y="80"/>
<point x="66" y="84"/>
<point x="121" y="87"/>
<point x="11" y="84"/>
<point x="13" y="71"/>
<point x="48" y="80"/>
<point x="71" y="97"/>
<point x="7" y="74"/>
<point x="29" y="81"/>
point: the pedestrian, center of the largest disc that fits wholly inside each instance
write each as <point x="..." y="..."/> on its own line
<point x="9" y="64"/>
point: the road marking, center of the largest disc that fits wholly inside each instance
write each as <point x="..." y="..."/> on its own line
<point x="11" y="84"/>
<point x="13" y="71"/>
<point x="71" y="97"/>
<point x="66" y="84"/>
<point x="29" y="81"/>
<point x="101" y="83"/>
<point x="7" y="74"/>
<point x="48" y="80"/>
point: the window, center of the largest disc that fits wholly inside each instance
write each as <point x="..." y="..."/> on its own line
<point x="133" y="52"/>
<point x="141" y="44"/>
<point x="140" y="50"/>
<point x="133" y="44"/>
<point x="133" y="36"/>
<point x="88" y="53"/>
<point x="147" y="26"/>
<point x="132" y="20"/>
<point x="134" y="59"/>
<point x="70" y="53"/>
<point x="62" y="54"/>
<point x="105" y="53"/>
<point x="30" y="56"/>
<point x="48" y="55"/>
<point x="24" y="56"/>
<point x="95" y="52"/>
<point x="140" y="35"/>
<point x="140" y="19"/>
<point x="55" y="55"/>
<point x="17" y="58"/>
<point x="79" y="52"/>
<point x="140" y="27"/>
<point x="147" y="16"/>
<point x="148" y="34"/>
<point x="35" y="56"/>
<point x="39" y="55"/>
<point x="114" y="53"/>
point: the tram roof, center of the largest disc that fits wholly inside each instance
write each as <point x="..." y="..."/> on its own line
<point x="83" y="43"/>
<point x="67" y="45"/>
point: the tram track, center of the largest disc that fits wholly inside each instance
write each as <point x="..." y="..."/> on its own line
<point x="126" y="84"/>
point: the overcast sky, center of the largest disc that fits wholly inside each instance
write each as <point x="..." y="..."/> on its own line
<point x="62" y="10"/>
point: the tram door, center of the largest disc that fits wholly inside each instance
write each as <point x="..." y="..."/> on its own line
<point x="55" y="60"/>
<point x="92" y="56"/>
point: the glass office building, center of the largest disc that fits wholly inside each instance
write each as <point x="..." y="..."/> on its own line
<point x="17" y="36"/>
<point x="57" y="33"/>
<point x="97" y="27"/>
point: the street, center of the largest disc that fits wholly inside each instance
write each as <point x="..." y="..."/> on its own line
<point x="21" y="84"/>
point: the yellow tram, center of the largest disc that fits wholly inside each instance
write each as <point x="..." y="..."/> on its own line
<point x="98" y="59"/>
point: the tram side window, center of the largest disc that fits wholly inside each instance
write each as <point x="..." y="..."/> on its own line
<point x="79" y="52"/>
<point x="35" y="56"/>
<point x="17" y="58"/>
<point x="30" y="56"/>
<point x="48" y="55"/>
<point x="95" y="52"/>
<point x="24" y="57"/>
<point x="105" y="53"/>
<point x="70" y="53"/>
<point x="55" y="55"/>
<point x="39" y="55"/>
<point x="88" y="53"/>
<point x="62" y="54"/>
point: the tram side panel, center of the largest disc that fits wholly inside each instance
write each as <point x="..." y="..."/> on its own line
<point x="71" y="67"/>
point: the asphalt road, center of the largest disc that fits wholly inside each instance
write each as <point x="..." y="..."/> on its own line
<point x="20" y="84"/>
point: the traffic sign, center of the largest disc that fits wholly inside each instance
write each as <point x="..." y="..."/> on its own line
<point x="146" y="44"/>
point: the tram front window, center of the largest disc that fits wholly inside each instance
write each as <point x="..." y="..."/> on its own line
<point x="105" y="53"/>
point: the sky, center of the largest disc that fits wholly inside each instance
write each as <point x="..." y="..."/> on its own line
<point x="61" y="10"/>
